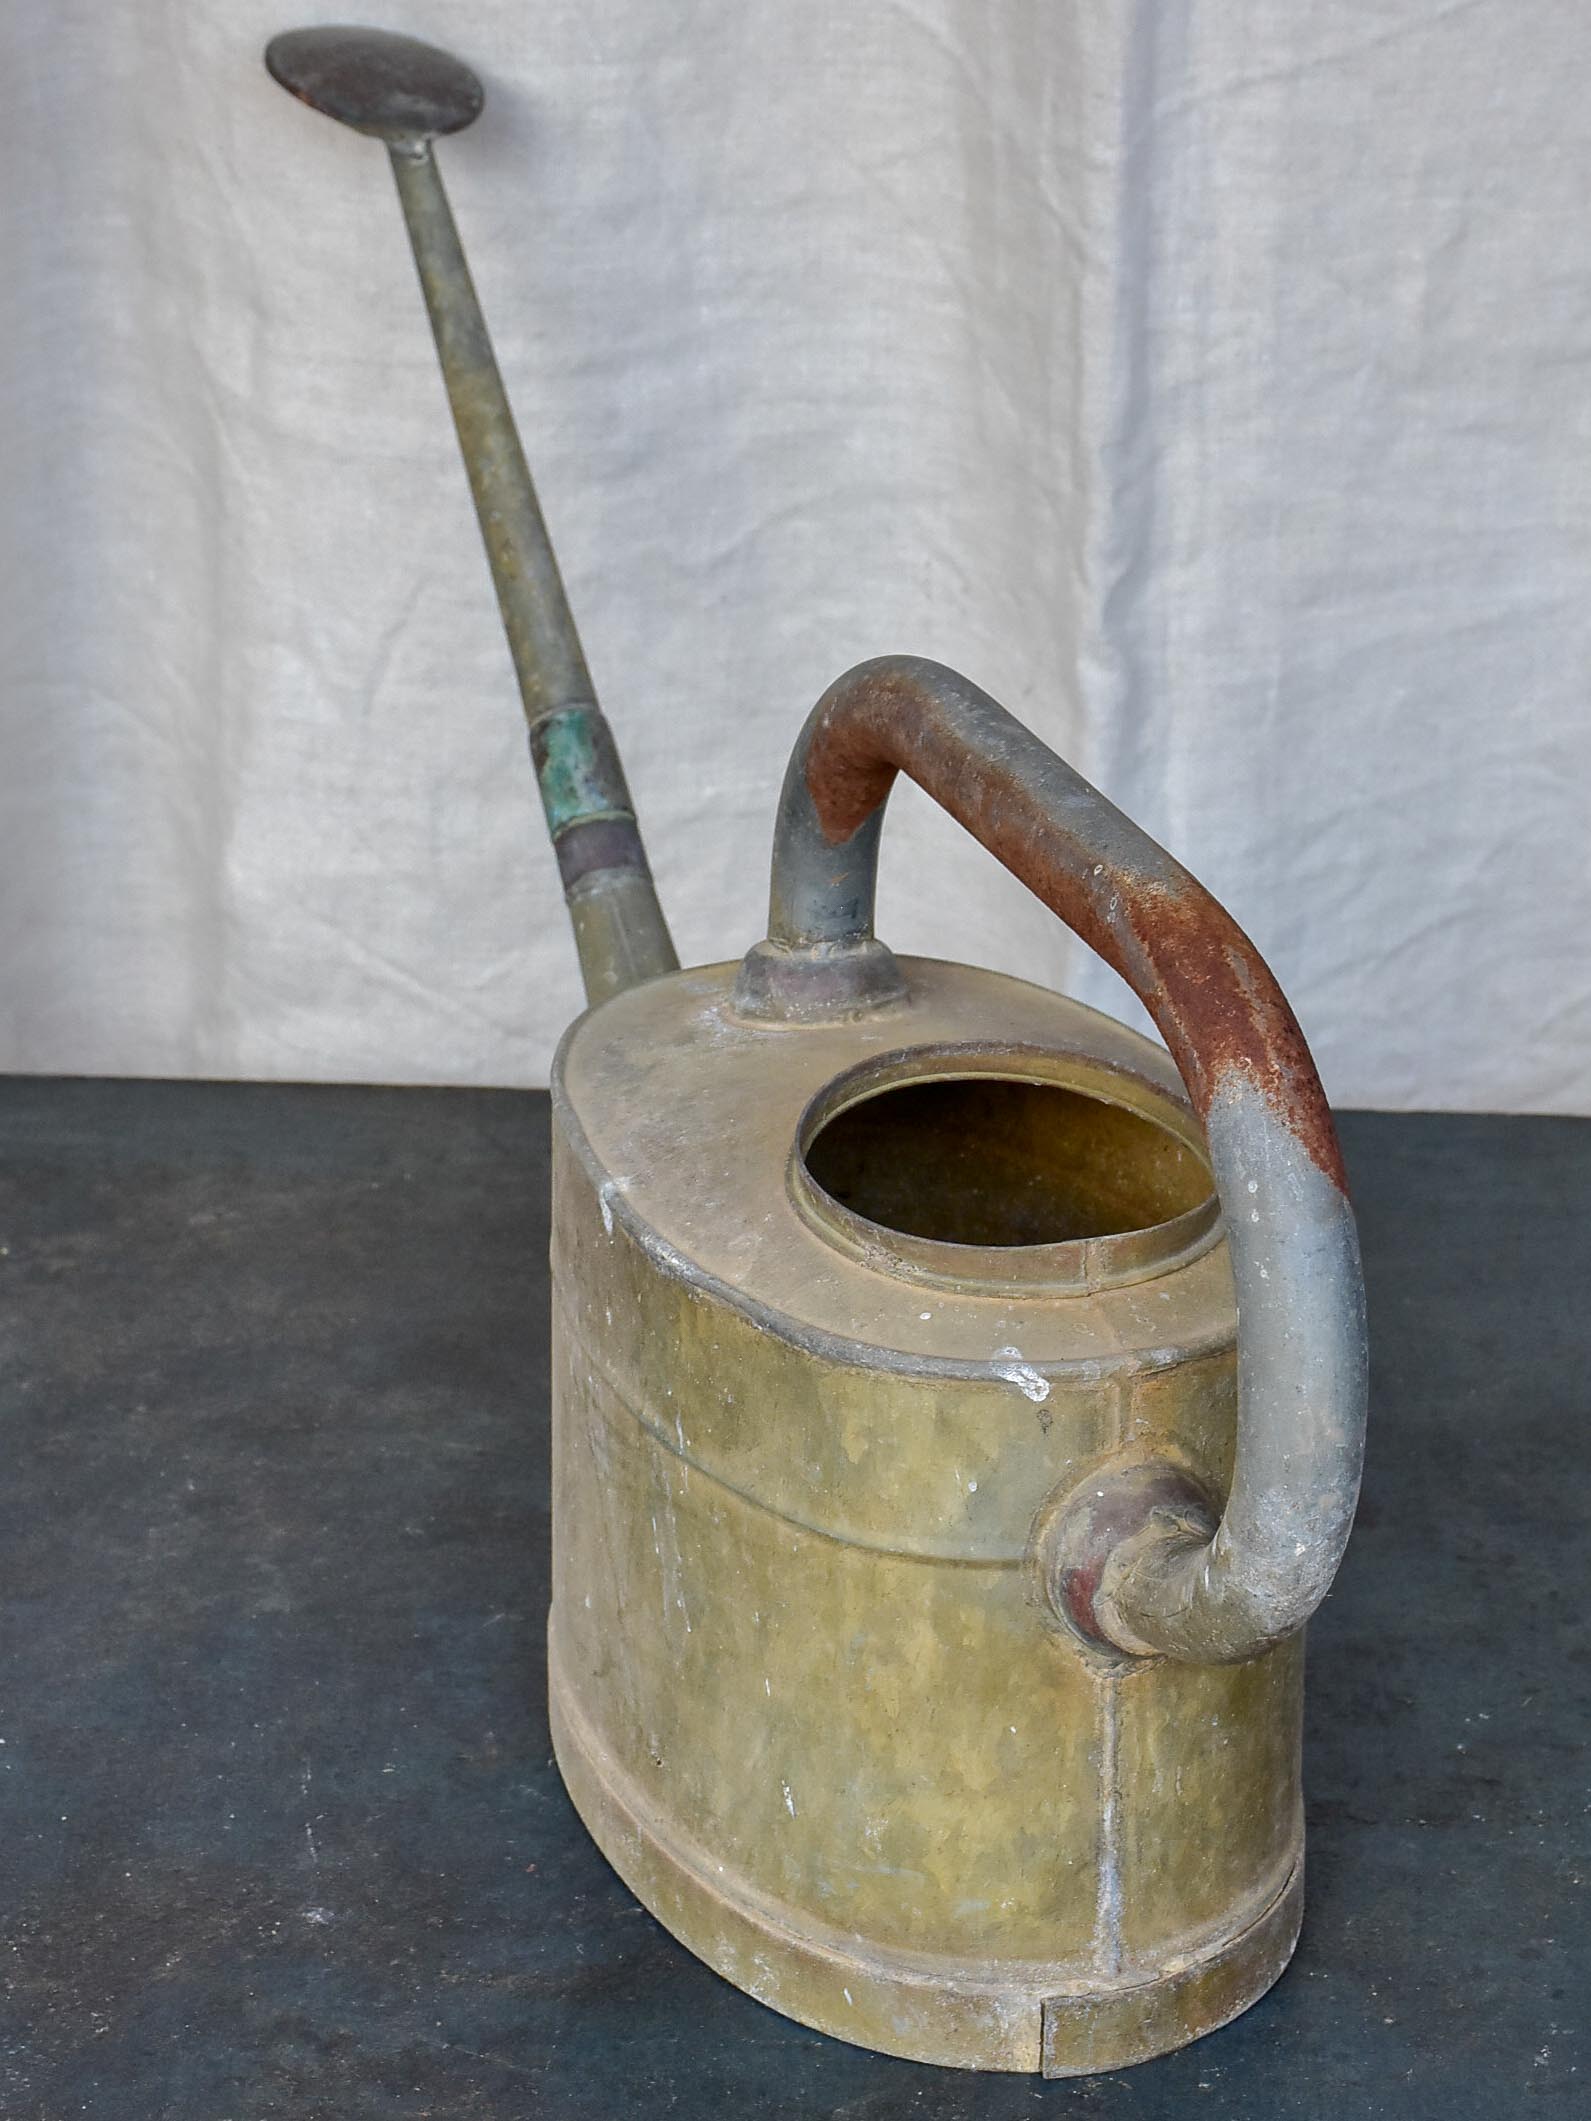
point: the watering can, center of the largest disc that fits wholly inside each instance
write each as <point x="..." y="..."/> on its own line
<point x="958" y="1399"/>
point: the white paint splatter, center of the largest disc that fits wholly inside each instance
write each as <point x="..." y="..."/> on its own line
<point x="605" y="1194"/>
<point x="1008" y="1364"/>
<point x="789" y="1800"/>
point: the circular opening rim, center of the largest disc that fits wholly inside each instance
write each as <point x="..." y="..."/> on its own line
<point x="1068" y="1266"/>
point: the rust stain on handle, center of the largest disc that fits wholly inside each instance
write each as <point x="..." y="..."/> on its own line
<point x="1211" y="994"/>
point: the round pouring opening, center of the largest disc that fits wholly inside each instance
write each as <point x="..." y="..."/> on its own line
<point x="979" y="1169"/>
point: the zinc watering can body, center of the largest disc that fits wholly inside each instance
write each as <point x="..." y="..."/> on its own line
<point x="958" y="1400"/>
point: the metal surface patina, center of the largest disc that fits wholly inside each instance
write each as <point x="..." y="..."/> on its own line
<point x="958" y="1404"/>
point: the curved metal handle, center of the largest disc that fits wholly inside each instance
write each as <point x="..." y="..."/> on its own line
<point x="1150" y="1577"/>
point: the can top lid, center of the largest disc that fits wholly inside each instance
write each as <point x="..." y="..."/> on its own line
<point x="983" y="1166"/>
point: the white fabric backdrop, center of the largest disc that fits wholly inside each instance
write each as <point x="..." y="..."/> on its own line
<point x="1212" y="382"/>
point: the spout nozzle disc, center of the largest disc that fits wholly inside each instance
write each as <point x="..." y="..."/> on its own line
<point x="395" y="88"/>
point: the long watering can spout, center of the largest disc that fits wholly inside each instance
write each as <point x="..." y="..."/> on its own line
<point x="405" y="93"/>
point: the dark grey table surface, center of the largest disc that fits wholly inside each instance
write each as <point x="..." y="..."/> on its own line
<point x="279" y="1829"/>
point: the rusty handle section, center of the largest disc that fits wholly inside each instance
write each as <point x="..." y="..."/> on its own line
<point x="619" y="927"/>
<point x="1139" y="1565"/>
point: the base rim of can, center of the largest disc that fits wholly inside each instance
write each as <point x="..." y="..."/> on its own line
<point x="1021" y="2017"/>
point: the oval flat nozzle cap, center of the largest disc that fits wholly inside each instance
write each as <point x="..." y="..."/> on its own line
<point x="393" y="87"/>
